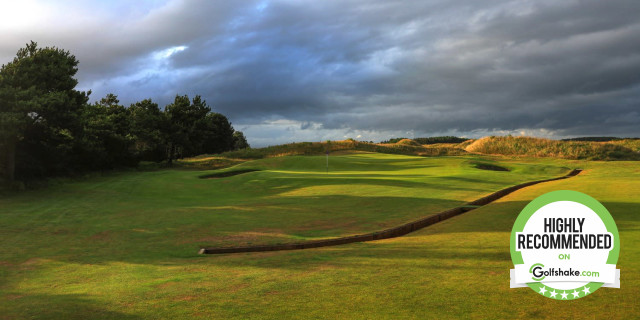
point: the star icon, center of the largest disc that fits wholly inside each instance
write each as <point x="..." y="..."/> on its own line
<point x="576" y="294"/>
<point x="543" y="290"/>
<point x="553" y="293"/>
<point x="564" y="295"/>
<point x="586" y="290"/>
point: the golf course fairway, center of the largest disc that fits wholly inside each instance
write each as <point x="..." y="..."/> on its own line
<point x="124" y="245"/>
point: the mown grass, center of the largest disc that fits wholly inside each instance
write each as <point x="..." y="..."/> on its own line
<point x="284" y="199"/>
<point x="627" y="149"/>
<point x="123" y="247"/>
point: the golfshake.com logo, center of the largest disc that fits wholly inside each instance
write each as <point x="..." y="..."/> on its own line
<point x="539" y="273"/>
<point x="565" y="245"/>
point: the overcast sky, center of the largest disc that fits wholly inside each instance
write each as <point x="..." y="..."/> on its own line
<point x="287" y="70"/>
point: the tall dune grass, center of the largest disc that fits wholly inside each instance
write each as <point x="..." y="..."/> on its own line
<point x="537" y="147"/>
<point x="633" y="144"/>
<point x="408" y="142"/>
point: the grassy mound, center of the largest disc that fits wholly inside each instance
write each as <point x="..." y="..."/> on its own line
<point x="537" y="147"/>
<point x="463" y="145"/>
<point x="429" y="140"/>
<point x="442" y="139"/>
<point x="633" y="144"/>
<point x="408" y="142"/>
<point x="320" y="148"/>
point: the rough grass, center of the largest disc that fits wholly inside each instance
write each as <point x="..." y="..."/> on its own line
<point x="537" y="147"/>
<point x="206" y="162"/>
<point x="464" y="144"/>
<point x="408" y="142"/>
<point x="320" y="148"/>
<point x="633" y="144"/>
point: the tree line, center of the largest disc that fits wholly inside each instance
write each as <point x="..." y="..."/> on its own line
<point x="48" y="128"/>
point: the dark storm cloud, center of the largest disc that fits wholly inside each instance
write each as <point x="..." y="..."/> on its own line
<point x="562" y="68"/>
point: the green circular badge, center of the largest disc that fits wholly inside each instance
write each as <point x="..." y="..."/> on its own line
<point x="565" y="246"/>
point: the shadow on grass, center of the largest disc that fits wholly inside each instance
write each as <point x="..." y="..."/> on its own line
<point x="286" y="182"/>
<point x="68" y="306"/>
<point x="226" y="174"/>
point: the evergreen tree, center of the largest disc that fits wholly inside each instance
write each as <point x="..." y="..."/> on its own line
<point x="180" y="131"/>
<point x="147" y="123"/>
<point x="240" y="141"/>
<point x="40" y="111"/>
